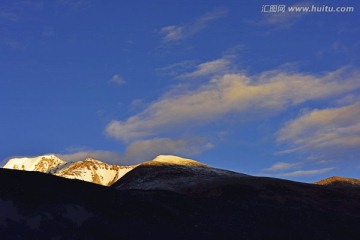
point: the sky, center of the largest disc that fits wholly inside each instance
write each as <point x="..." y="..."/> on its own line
<point x="249" y="86"/>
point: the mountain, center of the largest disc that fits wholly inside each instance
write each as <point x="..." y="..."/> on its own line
<point x="35" y="205"/>
<point x="336" y="181"/>
<point x="179" y="175"/>
<point x="90" y="170"/>
<point x="40" y="164"/>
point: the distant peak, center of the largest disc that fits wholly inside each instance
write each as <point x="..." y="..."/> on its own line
<point x="334" y="180"/>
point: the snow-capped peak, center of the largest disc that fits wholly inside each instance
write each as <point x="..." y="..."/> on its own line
<point x="42" y="163"/>
<point x="90" y="170"/>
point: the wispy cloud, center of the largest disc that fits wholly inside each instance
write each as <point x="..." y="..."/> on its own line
<point x="190" y="69"/>
<point x="232" y="94"/>
<point x="302" y="173"/>
<point x="178" y="32"/>
<point x="176" y="69"/>
<point x="280" y="166"/>
<point x="143" y="150"/>
<point x="118" y="80"/>
<point x="327" y="130"/>
<point x="106" y="156"/>
<point x="217" y="66"/>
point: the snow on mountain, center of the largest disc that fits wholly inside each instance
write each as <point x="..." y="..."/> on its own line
<point x="174" y="160"/>
<point x="92" y="170"/>
<point x="167" y="172"/>
<point x="43" y="163"/>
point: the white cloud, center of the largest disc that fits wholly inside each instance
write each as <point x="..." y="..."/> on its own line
<point x="177" y="69"/>
<point x="302" y="173"/>
<point x="173" y="33"/>
<point x="140" y="151"/>
<point x="105" y="156"/>
<point x="176" y="33"/>
<point x="326" y="130"/>
<point x="117" y="79"/>
<point x="281" y="166"/>
<point x="232" y="93"/>
<point x="217" y="66"/>
<point x="189" y="69"/>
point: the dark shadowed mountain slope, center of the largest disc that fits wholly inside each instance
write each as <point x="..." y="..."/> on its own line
<point x="179" y="175"/>
<point x="35" y="205"/>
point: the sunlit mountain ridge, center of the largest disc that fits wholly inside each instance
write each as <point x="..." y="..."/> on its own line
<point x="98" y="172"/>
<point x="89" y="170"/>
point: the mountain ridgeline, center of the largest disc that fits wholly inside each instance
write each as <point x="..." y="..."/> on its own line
<point x="168" y="198"/>
<point x="89" y="170"/>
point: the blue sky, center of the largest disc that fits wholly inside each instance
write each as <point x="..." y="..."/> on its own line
<point x="264" y="93"/>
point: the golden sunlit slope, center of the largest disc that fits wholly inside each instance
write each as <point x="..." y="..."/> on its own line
<point x="340" y="181"/>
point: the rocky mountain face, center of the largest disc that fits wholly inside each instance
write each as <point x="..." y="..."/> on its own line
<point x="92" y="170"/>
<point x="89" y="170"/>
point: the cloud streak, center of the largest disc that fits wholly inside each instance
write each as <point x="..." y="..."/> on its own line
<point x="280" y="166"/>
<point x="232" y="94"/>
<point x="179" y="32"/>
<point x="302" y="173"/>
<point x="106" y="156"/>
<point x="118" y="80"/>
<point x="328" y="129"/>
<point x="190" y="70"/>
<point x="217" y="66"/>
<point x="143" y="150"/>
